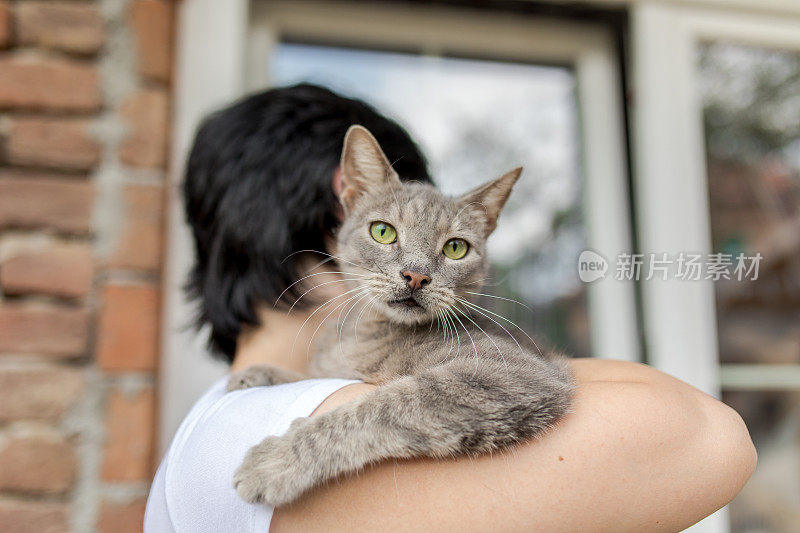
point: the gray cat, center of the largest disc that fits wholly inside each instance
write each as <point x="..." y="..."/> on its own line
<point x="452" y="379"/>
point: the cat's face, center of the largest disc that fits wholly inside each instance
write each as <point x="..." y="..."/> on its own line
<point x="406" y="248"/>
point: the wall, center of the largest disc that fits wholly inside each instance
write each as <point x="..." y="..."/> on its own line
<point x="84" y="112"/>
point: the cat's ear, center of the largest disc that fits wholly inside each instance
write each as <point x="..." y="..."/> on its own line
<point x="364" y="166"/>
<point x="490" y="198"/>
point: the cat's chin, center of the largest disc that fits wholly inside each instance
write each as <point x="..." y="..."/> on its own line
<point x="406" y="303"/>
<point x="406" y="312"/>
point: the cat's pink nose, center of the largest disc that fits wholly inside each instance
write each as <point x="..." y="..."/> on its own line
<point x="415" y="279"/>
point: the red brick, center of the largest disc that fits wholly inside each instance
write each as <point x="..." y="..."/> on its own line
<point x="128" y="335"/>
<point x="20" y="516"/>
<point x="46" y="142"/>
<point x="121" y="517"/>
<point x="146" y="113"/>
<point x="139" y="243"/>
<point x="151" y="22"/>
<point x="40" y="462"/>
<point x="53" y="84"/>
<point x="51" y="330"/>
<point x="38" y="392"/>
<point x="130" y="423"/>
<point x="5" y="24"/>
<point x="45" y="202"/>
<point x="63" y="269"/>
<point x="70" y="26"/>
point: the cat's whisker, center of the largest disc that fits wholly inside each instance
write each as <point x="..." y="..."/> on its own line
<point x="471" y="340"/>
<point x="478" y="310"/>
<point x="499" y="351"/>
<point x="369" y="305"/>
<point x="445" y="331"/>
<point x="500" y="298"/>
<point x="340" y="327"/>
<point x="496" y="283"/>
<point x="458" y="338"/>
<point x="453" y="333"/>
<point x="467" y="314"/>
<point x="317" y="310"/>
<point x="339" y="321"/>
<point x="321" y="263"/>
<point x="365" y="295"/>
<point x="510" y="322"/>
<point x="311" y="340"/>
<point x="340" y="306"/>
<point x="438" y="325"/>
<point x="441" y="321"/>
<point x="477" y="281"/>
<point x="455" y="330"/>
<point x="310" y="276"/>
<point x="318" y="286"/>
<point x="384" y="283"/>
<point x="336" y="257"/>
<point x="344" y="321"/>
<point x="455" y="337"/>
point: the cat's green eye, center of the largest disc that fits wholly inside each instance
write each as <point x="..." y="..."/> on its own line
<point x="383" y="233"/>
<point x="455" y="248"/>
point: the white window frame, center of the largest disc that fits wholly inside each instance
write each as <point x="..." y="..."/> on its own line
<point x="670" y="182"/>
<point x="211" y="72"/>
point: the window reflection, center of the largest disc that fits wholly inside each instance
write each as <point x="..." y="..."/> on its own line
<point x="752" y="122"/>
<point x="751" y="99"/>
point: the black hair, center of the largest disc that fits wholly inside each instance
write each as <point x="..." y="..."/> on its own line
<point x="258" y="188"/>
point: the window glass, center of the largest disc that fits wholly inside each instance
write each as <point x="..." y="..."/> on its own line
<point x="751" y="103"/>
<point x="476" y="119"/>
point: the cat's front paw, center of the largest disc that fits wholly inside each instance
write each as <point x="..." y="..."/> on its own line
<point x="261" y="376"/>
<point x="271" y="474"/>
<point x="245" y="379"/>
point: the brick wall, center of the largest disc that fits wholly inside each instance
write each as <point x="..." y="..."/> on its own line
<point x="84" y="112"/>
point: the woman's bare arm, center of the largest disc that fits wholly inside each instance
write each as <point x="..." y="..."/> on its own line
<point x="641" y="451"/>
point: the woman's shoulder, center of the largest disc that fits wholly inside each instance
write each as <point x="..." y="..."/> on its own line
<point x="242" y="418"/>
<point x="193" y="485"/>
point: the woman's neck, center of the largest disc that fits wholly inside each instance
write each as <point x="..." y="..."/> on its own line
<point x="273" y="343"/>
<point x="285" y="339"/>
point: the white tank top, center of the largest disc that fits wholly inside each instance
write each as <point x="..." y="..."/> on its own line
<point x="193" y="488"/>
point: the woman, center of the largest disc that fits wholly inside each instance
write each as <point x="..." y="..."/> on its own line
<point x="641" y="451"/>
